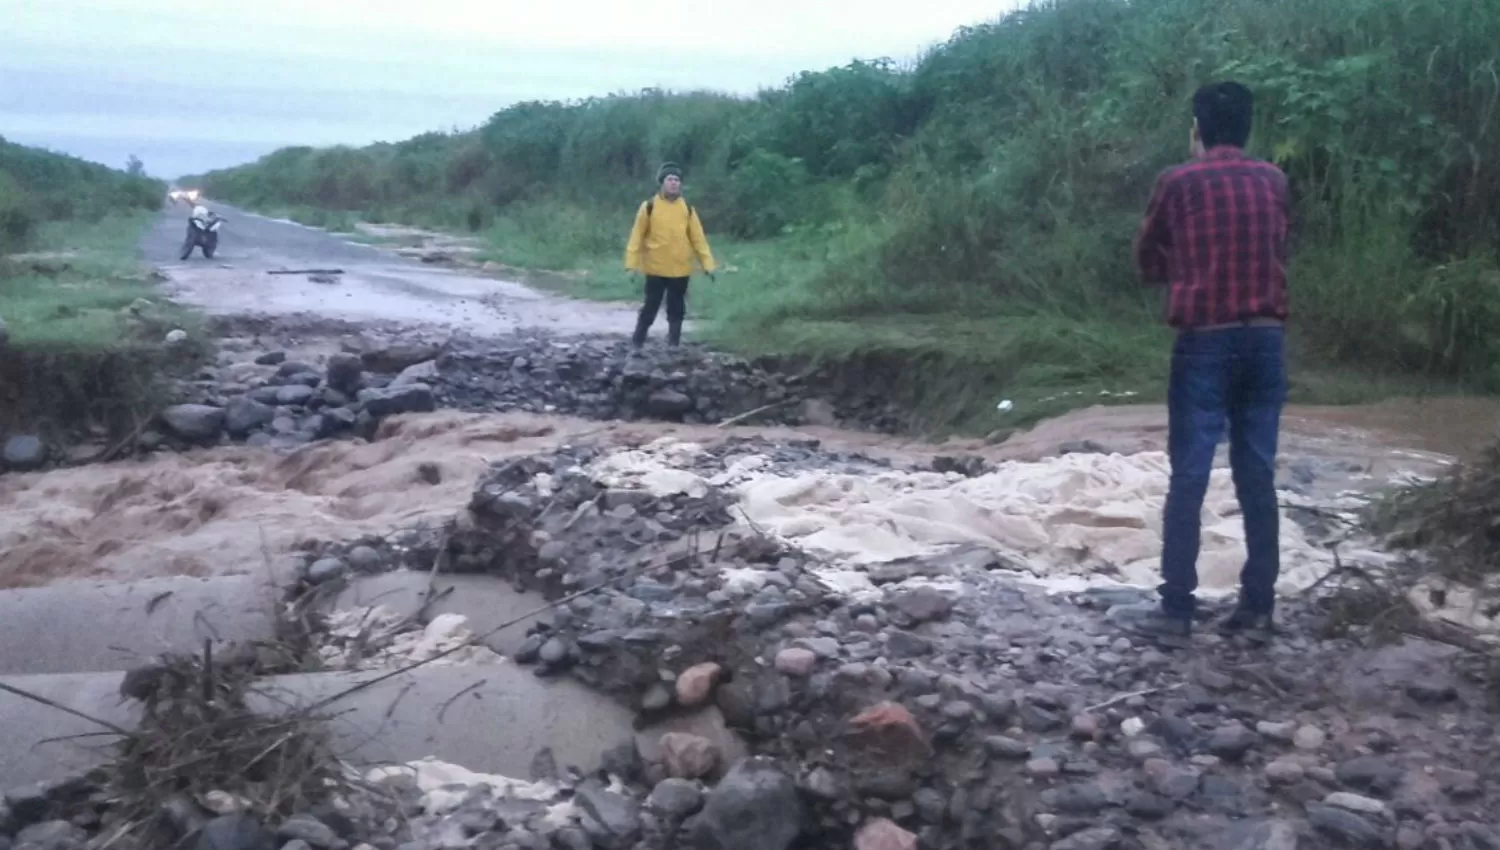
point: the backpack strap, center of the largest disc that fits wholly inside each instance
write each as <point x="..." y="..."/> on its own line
<point x="651" y="210"/>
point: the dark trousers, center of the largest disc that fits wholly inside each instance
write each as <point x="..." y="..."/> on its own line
<point x="1236" y="375"/>
<point x="674" y="289"/>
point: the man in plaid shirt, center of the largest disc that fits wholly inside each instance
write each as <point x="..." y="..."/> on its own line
<point x="1215" y="232"/>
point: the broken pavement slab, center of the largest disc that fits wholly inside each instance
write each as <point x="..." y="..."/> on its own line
<point x="491" y="718"/>
<point x="82" y="627"/>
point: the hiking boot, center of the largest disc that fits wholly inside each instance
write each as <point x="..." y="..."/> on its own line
<point x="1255" y="627"/>
<point x="639" y="337"/>
<point x="1154" y="623"/>
<point x="674" y="334"/>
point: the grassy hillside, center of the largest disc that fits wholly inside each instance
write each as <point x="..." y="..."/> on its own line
<point x="965" y="225"/>
<point x="69" y="233"/>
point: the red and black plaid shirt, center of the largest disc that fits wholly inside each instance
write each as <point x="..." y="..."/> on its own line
<point x="1216" y="232"/>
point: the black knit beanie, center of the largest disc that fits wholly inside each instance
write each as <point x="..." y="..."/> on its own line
<point x="668" y="169"/>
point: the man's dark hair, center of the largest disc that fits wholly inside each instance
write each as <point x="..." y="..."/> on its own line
<point x="1224" y="112"/>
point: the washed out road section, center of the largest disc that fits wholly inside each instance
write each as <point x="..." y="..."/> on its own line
<point x="373" y="286"/>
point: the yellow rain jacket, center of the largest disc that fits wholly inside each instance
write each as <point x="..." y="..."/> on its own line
<point x="665" y="242"/>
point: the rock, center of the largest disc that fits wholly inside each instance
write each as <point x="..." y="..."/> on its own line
<point x="676" y="798"/>
<point x="313" y="831"/>
<point x="890" y="729"/>
<point x="1255" y="835"/>
<point x="1083" y="798"/>
<point x="667" y="404"/>
<point x="51" y="835"/>
<point x="244" y="414"/>
<point x="1231" y="742"/>
<point x="1370" y="773"/>
<point x="296" y="844"/>
<point x="326" y="569"/>
<point x="345" y="372"/>
<point x="294" y="394"/>
<point x="708" y="723"/>
<point x="554" y="652"/>
<point x="1459" y="784"/>
<point x="687" y="756"/>
<point x="1132" y="726"/>
<point x="394" y="358"/>
<point x="923" y="604"/>
<point x="1347" y="826"/>
<point x="617" y="816"/>
<point x="755" y="807"/>
<point x="366" y="559"/>
<point x="175" y="337"/>
<point x="695" y="685"/>
<point x="930" y="805"/>
<point x="1432" y="692"/>
<point x="195" y="422"/>
<point x="271" y="358"/>
<point x="412" y="398"/>
<point x="1284" y="772"/>
<point x="1357" y="803"/>
<point x="1148" y="806"/>
<point x="419" y="373"/>
<point x="1310" y="738"/>
<point x="1171" y="781"/>
<point x="796" y="661"/>
<point x="1043" y="768"/>
<point x="1284" y="732"/>
<point x="1085" y="727"/>
<point x="1098" y="838"/>
<point x="882" y="834"/>
<point x="23" y="453"/>
<point x="1007" y="748"/>
<point x="234" y="832"/>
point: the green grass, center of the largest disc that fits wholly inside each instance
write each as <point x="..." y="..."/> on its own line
<point x="91" y="273"/>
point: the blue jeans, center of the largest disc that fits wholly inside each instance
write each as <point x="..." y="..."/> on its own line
<point x="1236" y="375"/>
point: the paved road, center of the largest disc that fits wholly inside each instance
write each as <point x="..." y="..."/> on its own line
<point x="374" y="286"/>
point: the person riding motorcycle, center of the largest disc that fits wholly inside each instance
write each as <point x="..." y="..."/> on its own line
<point x="202" y="229"/>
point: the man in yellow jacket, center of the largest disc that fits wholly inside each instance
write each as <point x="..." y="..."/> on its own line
<point x="667" y="237"/>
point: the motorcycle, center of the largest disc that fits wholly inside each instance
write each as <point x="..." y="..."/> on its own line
<point x="203" y="231"/>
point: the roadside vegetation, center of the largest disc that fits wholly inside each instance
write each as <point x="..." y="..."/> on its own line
<point x="76" y="355"/>
<point x="962" y="227"/>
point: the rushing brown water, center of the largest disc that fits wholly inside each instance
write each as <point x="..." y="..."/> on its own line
<point x="1460" y="427"/>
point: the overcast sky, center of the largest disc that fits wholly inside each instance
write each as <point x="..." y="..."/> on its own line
<point x="195" y="84"/>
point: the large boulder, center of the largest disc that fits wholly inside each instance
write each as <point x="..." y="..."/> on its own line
<point x="23" y="453"/>
<point x="345" y="372"/>
<point x="195" y="422"/>
<point x="244" y="415"/>
<point x="421" y="373"/>
<point x="412" y="398"/>
<point x="399" y="356"/>
<point x="755" y="807"/>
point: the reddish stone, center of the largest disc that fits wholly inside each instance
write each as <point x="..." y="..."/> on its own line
<point x="890" y="730"/>
<point x="695" y="686"/>
<point x="881" y="834"/>
<point x="796" y="661"/>
<point x="689" y="756"/>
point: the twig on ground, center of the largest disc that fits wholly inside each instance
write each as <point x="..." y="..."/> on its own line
<point x="305" y="271"/>
<point x="751" y="414"/>
<point x="451" y="700"/>
<point x="1114" y="701"/>
<point x="38" y="698"/>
